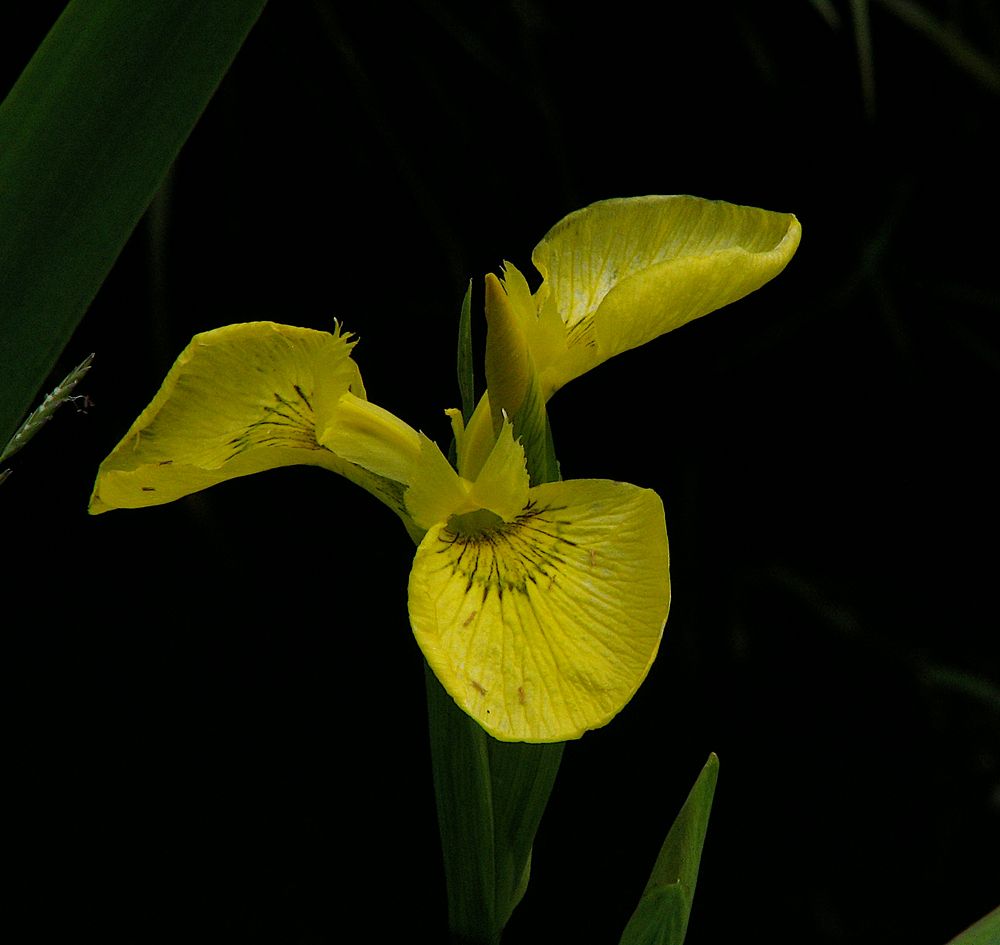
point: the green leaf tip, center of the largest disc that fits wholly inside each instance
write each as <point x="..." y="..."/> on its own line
<point x="661" y="917"/>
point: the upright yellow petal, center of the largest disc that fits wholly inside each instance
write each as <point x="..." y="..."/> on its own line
<point x="540" y="323"/>
<point x="477" y="440"/>
<point x="437" y="493"/>
<point x="544" y="627"/>
<point x="509" y="369"/>
<point x="514" y="335"/>
<point x="502" y="483"/>
<point x="622" y="272"/>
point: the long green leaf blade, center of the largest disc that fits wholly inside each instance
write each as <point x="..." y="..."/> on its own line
<point x="86" y="136"/>
<point x="464" y="795"/>
<point x="522" y="778"/>
<point x="661" y="918"/>
<point x="490" y="799"/>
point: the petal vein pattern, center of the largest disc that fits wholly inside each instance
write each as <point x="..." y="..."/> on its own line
<point x="544" y="627"/>
<point x="240" y="400"/>
<point x="621" y="272"/>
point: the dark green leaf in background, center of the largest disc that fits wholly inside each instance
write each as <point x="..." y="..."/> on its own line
<point x="86" y="135"/>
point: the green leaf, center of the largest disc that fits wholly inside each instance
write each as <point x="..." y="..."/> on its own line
<point x="86" y="135"/>
<point x="464" y="797"/>
<point x="522" y="777"/>
<point x="661" y="918"/>
<point x="984" y="932"/>
<point x="490" y="798"/>
<point x="532" y="427"/>
<point x="466" y="373"/>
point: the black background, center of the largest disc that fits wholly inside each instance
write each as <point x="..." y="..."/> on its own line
<point x="215" y="722"/>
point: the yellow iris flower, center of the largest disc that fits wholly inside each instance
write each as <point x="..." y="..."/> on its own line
<point x="539" y="608"/>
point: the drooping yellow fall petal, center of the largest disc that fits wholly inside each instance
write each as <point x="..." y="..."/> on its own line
<point x="544" y="627"/>
<point x="238" y="400"/>
<point x="622" y="272"/>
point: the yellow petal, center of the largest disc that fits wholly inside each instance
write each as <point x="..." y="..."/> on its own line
<point x="238" y="400"/>
<point x="539" y="322"/>
<point x="437" y="492"/>
<point x="370" y="436"/>
<point x="509" y="370"/>
<point x="622" y="272"/>
<point x="544" y="627"/>
<point x="502" y="483"/>
<point x="477" y="440"/>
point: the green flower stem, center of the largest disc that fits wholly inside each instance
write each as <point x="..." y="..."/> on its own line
<point x="490" y="799"/>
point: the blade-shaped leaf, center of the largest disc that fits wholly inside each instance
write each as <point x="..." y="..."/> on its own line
<point x="661" y="918"/>
<point x="522" y="778"/>
<point x="490" y="798"/>
<point x="86" y="136"/>
<point x="465" y="815"/>
<point x="984" y="932"/>
<point x="466" y="372"/>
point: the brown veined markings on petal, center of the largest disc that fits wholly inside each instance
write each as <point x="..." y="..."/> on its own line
<point x="557" y="655"/>
<point x="581" y="332"/>
<point x="509" y="556"/>
<point x="289" y="421"/>
<point x="500" y="572"/>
